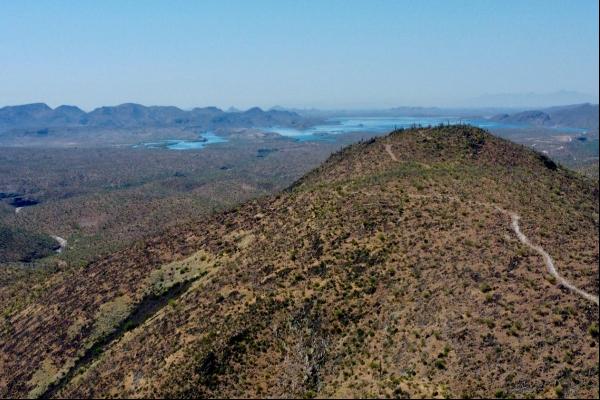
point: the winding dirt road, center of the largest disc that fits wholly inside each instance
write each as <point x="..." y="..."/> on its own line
<point x="525" y="240"/>
<point x="548" y="261"/>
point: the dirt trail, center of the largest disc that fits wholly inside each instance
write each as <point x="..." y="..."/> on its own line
<point x="548" y="260"/>
<point x="62" y="242"/>
<point x="538" y="249"/>
<point x="388" y="148"/>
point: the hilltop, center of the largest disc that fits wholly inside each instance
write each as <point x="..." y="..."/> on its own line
<point x="393" y="269"/>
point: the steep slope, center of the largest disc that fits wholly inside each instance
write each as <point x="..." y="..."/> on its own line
<point x="22" y="245"/>
<point x="578" y="115"/>
<point x="525" y="117"/>
<point x="394" y="269"/>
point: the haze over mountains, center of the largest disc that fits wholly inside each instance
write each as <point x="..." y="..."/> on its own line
<point x="531" y="100"/>
<point x="130" y="115"/>
<point x="576" y="116"/>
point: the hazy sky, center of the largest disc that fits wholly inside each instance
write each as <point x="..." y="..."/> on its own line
<point x="293" y="53"/>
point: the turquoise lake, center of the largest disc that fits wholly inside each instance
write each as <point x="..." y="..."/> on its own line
<point x="336" y="126"/>
<point x="178" y="144"/>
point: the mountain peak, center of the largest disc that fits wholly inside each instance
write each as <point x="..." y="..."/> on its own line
<point x="30" y="107"/>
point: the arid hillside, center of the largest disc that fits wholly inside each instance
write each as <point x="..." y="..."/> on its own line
<point x="395" y="269"/>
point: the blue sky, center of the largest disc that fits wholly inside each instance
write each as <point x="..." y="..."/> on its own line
<point x="293" y="53"/>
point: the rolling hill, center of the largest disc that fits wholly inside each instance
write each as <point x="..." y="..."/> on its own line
<point x="394" y="269"/>
<point x="584" y="116"/>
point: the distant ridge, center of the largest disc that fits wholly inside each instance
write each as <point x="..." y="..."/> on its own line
<point x="530" y="100"/>
<point x="575" y="115"/>
<point x="130" y="115"/>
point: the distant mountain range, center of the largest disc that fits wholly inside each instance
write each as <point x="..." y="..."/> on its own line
<point x="578" y="115"/>
<point x="130" y="115"/>
<point x="40" y="116"/>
